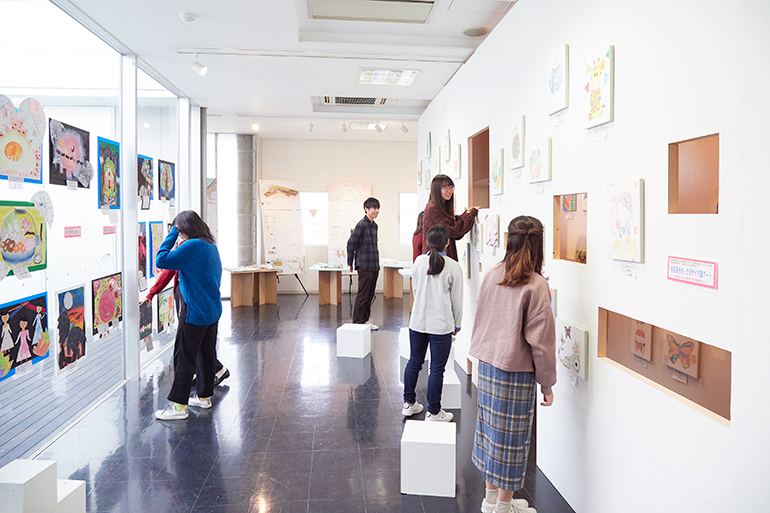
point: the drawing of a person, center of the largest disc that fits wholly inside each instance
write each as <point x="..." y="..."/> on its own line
<point x="23" y="341"/>
<point x="38" y="324"/>
<point x="7" y="338"/>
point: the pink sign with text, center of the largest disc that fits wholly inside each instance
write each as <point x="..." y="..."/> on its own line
<point x="694" y="272"/>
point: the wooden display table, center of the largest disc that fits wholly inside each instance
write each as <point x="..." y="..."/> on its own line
<point x="392" y="282"/>
<point x="251" y="285"/>
<point x="406" y="272"/>
<point x="329" y="284"/>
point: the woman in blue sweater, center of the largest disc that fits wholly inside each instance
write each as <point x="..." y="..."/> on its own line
<point x="200" y="274"/>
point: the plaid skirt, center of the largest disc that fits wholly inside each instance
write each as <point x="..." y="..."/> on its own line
<point x="506" y="407"/>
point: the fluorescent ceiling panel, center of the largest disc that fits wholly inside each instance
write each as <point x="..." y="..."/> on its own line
<point x="399" y="11"/>
<point x="402" y="77"/>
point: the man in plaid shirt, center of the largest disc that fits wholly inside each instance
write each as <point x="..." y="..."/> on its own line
<point x="362" y="247"/>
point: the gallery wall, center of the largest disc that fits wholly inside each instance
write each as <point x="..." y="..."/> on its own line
<point x="683" y="69"/>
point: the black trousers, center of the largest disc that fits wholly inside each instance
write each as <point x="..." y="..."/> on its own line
<point x="367" y="281"/>
<point x="195" y="352"/>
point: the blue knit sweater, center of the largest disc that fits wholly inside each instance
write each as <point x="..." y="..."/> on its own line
<point x="200" y="274"/>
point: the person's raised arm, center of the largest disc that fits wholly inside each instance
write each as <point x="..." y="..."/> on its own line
<point x="175" y="259"/>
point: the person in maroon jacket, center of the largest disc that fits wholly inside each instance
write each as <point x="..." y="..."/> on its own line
<point x="441" y="210"/>
<point x="417" y="238"/>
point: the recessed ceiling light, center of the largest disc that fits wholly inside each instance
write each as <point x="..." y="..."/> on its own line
<point x="476" y="32"/>
<point x="366" y="125"/>
<point x="254" y="125"/>
<point x="187" y="17"/>
<point x="146" y="124"/>
<point x="402" y="77"/>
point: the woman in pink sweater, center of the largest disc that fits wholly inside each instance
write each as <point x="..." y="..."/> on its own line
<point x="515" y="341"/>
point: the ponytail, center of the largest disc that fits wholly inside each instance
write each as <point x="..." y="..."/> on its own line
<point x="524" y="255"/>
<point x="438" y="237"/>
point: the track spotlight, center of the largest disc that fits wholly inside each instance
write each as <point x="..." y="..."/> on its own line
<point x="310" y="126"/>
<point x="378" y="127"/>
<point x="404" y="128"/>
<point x="344" y="127"/>
<point x="197" y="67"/>
<point x="254" y="125"/>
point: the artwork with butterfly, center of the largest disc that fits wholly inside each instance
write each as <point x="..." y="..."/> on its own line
<point x="517" y="144"/>
<point x="107" y="302"/>
<point x="71" y="327"/>
<point x="682" y="354"/>
<point x="558" y="80"/>
<point x="572" y="347"/>
<point x="641" y="339"/>
<point x="24" y="335"/>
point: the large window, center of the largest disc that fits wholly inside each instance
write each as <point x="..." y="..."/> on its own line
<point x="407" y="216"/>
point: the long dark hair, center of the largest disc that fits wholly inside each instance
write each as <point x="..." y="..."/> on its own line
<point x="524" y="255"/>
<point x="446" y="207"/>
<point x="438" y="236"/>
<point x="418" y="231"/>
<point x="193" y="227"/>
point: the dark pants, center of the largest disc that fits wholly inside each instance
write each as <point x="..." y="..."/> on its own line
<point x="367" y="281"/>
<point x="195" y="352"/>
<point x="440" y="346"/>
<point x="181" y="309"/>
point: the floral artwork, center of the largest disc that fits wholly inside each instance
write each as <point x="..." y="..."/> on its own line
<point x="109" y="173"/>
<point x="21" y="137"/>
<point x="145" y="321"/>
<point x="166" y="183"/>
<point x="142" y="250"/>
<point x="107" y="302"/>
<point x="69" y="150"/>
<point x="23" y="239"/>
<point x="496" y="176"/>
<point x="156" y="239"/>
<point x="682" y="354"/>
<point x="540" y="162"/>
<point x="572" y="347"/>
<point x="24" y="335"/>
<point x="600" y="88"/>
<point x="641" y="339"/>
<point x="569" y="203"/>
<point x="491" y="230"/>
<point x="625" y="204"/>
<point x="558" y="81"/>
<point x="165" y="309"/>
<point x="145" y="177"/>
<point x="517" y="144"/>
<point x="71" y="327"/>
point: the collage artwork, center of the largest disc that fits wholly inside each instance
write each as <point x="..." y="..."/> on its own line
<point x="165" y="309"/>
<point x="107" y="301"/>
<point x="23" y="334"/>
<point x="156" y="239"/>
<point x="166" y="184"/>
<point x="69" y="149"/>
<point x="71" y="327"/>
<point x="109" y="173"/>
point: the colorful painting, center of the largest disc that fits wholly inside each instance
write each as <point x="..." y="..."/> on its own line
<point x="156" y="239"/>
<point x="145" y="177"/>
<point x="446" y="150"/>
<point x="572" y="347"/>
<point x="107" y="302"/>
<point x="142" y="250"/>
<point x="553" y="302"/>
<point x="540" y="162"/>
<point x="456" y="167"/>
<point x="569" y="203"/>
<point x="69" y="150"/>
<point x="517" y="144"/>
<point x="496" y="176"/>
<point x="625" y="204"/>
<point x="24" y="335"/>
<point x="427" y="146"/>
<point x="476" y="234"/>
<point x="21" y="140"/>
<point x="641" y="339"/>
<point x="23" y="239"/>
<point x="558" y="80"/>
<point x="109" y="173"/>
<point x="145" y="321"/>
<point x="166" y="181"/>
<point x="419" y="173"/>
<point x="682" y="354"/>
<point x="491" y="230"/>
<point x="71" y="345"/>
<point x="165" y="309"/>
<point x="600" y="88"/>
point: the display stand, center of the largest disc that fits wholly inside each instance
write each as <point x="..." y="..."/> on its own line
<point x="252" y="285"/>
<point x="433" y="442"/>
<point x="30" y="486"/>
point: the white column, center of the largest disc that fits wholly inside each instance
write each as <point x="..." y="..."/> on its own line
<point x="197" y="165"/>
<point x="184" y="173"/>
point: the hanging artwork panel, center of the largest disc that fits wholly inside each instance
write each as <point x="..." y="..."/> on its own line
<point x="165" y="309"/>
<point x="166" y="180"/>
<point x="107" y="302"/>
<point x="572" y="347"/>
<point x="419" y="173"/>
<point x="456" y="166"/>
<point x="491" y="229"/>
<point x="71" y="327"/>
<point x="69" y="149"/>
<point x="558" y="80"/>
<point x="682" y="354"/>
<point x="156" y="239"/>
<point x="23" y="239"/>
<point x="600" y="88"/>
<point x="24" y="338"/>
<point x="569" y="203"/>
<point x="641" y="339"/>
<point x="109" y="173"/>
<point x="476" y="233"/>
<point x="625" y="209"/>
<point x="21" y="140"/>
<point x="427" y="146"/>
<point x="540" y="161"/>
<point x="517" y="144"/>
<point x="142" y="250"/>
<point x="145" y="324"/>
<point x="496" y="175"/>
<point x="145" y="177"/>
<point x="446" y="150"/>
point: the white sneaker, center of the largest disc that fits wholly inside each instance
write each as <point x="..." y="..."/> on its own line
<point x="199" y="403"/>
<point x="171" y="413"/>
<point x="441" y="416"/>
<point x="411" y="410"/>
<point x="373" y="327"/>
<point x="518" y="509"/>
<point x="517" y="506"/>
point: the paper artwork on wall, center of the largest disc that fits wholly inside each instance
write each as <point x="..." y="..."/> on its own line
<point x="569" y="203"/>
<point x="558" y="80"/>
<point x="682" y="354"/>
<point x="625" y="204"/>
<point x="426" y="179"/>
<point x="145" y="322"/>
<point x="24" y="338"/>
<point x="491" y="230"/>
<point x="496" y="175"/>
<point x="21" y="138"/>
<point x="145" y="171"/>
<point x="427" y="146"/>
<point x="600" y="88"/>
<point x="69" y="149"/>
<point x="572" y="347"/>
<point x="476" y="233"/>
<point x="156" y="239"/>
<point x="553" y="301"/>
<point x="107" y="301"/>
<point x="109" y="173"/>
<point x="467" y="260"/>
<point x="142" y="250"/>
<point x="641" y="339"/>
<point x="71" y="327"/>
<point x="23" y="238"/>
<point x="517" y="144"/>
<point x="419" y="173"/>
<point x="540" y="161"/>
<point x="166" y="180"/>
<point x="165" y="309"/>
<point x="438" y="159"/>
<point x="456" y="166"/>
<point x="446" y="150"/>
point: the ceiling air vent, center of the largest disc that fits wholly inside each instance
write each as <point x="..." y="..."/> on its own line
<point x="355" y="100"/>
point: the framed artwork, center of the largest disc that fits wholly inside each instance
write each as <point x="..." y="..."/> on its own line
<point x="426" y="179"/>
<point x="166" y="180"/>
<point x="625" y="209"/>
<point x="572" y="347"/>
<point x="540" y="161"/>
<point x="641" y="339"/>
<point x="569" y="203"/>
<point x="69" y="151"/>
<point x="496" y="175"/>
<point x="145" y="320"/>
<point x="456" y="166"/>
<point x="145" y="177"/>
<point x="21" y="140"/>
<point x="517" y="144"/>
<point x="71" y="326"/>
<point x="109" y="173"/>
<point x="682" y="354"/>
<point x="585" y="202"/>
<point x="156" y="239"/>
<point x="553" y="301"/>
<point x="419" y="173"/>
<point x="467" y="259"/>
<point x="600" y="88"/>
<point x="165" y="309"/>
<point x="558" y="80"/>
<point x="446" y="150"/>
<point x="107" y="301"/>
<point x="24" y="335"/>
<point x="142" y="250"/>
<point x="491" y="229"/>
<point x="476" y="234"/>
<point x="427" y="146"/>
<point x="23" y="238"/>
<point x="438" y="160"/>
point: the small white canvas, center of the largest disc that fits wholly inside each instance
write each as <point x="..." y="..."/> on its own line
<point x="558" y="80"/>
<point x="540" y="161"/>
<point x="517" y="144"/>
<point x="446" y="150"/>
<point x="455" y="169"/>
<point x="600" y="87"/>
<point x="572" y="347"/>
<point x="625" y="205"/>
<point x="496" y="174"/>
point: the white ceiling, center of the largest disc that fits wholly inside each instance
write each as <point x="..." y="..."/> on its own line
<point x="266" y="59"/>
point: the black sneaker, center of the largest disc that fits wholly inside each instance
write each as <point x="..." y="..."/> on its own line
<point x="220" y="376"/>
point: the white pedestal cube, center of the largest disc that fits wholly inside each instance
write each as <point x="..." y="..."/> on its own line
<point x="451" y="393"/>
<point x="354" y="340"/>
<point x="428" y="458"/>
<point x="30" y="486"/>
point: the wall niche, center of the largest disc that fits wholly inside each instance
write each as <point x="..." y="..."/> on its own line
<point x="570" y="215"/>
<point x="693" y="176"/>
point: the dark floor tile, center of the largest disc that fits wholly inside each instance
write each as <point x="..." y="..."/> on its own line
<point x="167" y="496"/>
<point x="238" y="465"/>
<point x="237" y="490"/>
<point x="337" y="506"/>
<point x="337" y="440"/>
<point x="294" y="462"/>
<point x="336" y="461"/>
<point x="399" y="504"/>
<point x="380" y="459"/>
<point x="107" y="496"/>
<point x="382" y="484"/>
<point x="336" y="485"/>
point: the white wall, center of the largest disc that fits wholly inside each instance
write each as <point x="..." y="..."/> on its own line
<point x="387" y="166"/>
<point x="684" y="69"/>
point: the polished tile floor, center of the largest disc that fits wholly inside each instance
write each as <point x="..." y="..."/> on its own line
<point x="294" y="429"/>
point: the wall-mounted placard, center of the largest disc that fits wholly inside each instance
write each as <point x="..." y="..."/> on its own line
<point x="695" y="272"/>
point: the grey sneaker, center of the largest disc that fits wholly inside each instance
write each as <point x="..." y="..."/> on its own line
<point x="199" y="403"/>
<point x="171" y="413"/>
<point x="441" y="416"/>
<point x="409" y="410"/>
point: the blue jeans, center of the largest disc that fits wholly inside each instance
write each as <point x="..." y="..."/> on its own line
<point x="440" y="345"/>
